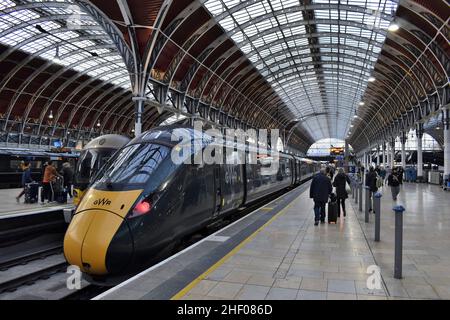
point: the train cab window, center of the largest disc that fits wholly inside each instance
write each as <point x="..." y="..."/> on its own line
<point x="91" y="160"/>
<point x="136" y="166"/>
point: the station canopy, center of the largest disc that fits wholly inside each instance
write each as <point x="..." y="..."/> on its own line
<point x="357" y="70"/>
<point x="318" y="55"/>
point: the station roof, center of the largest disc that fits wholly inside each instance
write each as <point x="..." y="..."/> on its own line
<point x="303" y="66"/>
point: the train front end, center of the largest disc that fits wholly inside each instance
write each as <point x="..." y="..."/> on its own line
<point x="93" y="156"/>
<point x="99" y="240"/>
<point x="118" y="208"/>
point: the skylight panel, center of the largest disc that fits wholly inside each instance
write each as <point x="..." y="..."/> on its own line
<point x="241" y="16"/>
<point x="256" y="10"/>
<point x="283" y="54"/>
<point x="6" y="4"/>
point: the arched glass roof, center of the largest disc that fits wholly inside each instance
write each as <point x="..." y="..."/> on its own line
<point x="318" y="54"/>
<point x="428" y="143"/>
<point x="60" y="32"/>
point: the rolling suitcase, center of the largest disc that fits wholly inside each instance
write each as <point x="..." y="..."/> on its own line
<point x="31" y="192"/>
<point x="332" y="212"/>
<point x="61" y="197"/>
<point x="60" y="194"/>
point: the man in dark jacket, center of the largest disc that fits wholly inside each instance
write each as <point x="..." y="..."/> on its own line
<point x="394" y="183"/>
<point x="371" y="182"/>
<point x="67" y="174"/>
<point x="320" y="190"/>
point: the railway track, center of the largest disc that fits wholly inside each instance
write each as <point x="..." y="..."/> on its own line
<point x="13" y="283"/>
<point x="25" y="258"/>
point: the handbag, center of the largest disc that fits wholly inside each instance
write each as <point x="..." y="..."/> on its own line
<point x="348" y="189"/>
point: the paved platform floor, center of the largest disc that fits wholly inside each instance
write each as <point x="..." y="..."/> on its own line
<point x="278" y="253"/>
<point x="293" y="259"/>
<point x="426" y="242"/>
<point x="9" y="205"/>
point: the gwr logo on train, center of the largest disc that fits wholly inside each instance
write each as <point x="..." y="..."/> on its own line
<point x="102" y="202"/>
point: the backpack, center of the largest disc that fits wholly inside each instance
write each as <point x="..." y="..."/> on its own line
<point x="379" y="182"/>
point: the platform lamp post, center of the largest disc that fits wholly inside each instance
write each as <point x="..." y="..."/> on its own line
<point x="446" y="118"/>
<point x="419" y="135"/>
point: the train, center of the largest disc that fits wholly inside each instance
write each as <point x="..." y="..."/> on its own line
<point x="143" y="201"/>
<point x="11" y="161"/>
<point x="93" y="156"/>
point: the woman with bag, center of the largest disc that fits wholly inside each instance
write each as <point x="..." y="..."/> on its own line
<point x="342" y="184"/>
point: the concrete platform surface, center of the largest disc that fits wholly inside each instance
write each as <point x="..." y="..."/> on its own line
<point x="277" y="253"/>
<point x="9" y="205"/>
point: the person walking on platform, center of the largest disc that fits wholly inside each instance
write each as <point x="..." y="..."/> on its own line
<point x="388" y="173"/>
<point x="67" y="173"/>
<point x="50" y="175"/>
<point x="371" y="182"/>
<point x="400" y="173"/>
<point x="26" y="178"/>
<point x="382" y="174"/>
<point x="340" y="182"/>
<point x="394" y="183"/>
<point x="320" y="191"/>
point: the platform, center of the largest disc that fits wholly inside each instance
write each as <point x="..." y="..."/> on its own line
<point x="10" y="207"/>
<point x="277" y="253"/>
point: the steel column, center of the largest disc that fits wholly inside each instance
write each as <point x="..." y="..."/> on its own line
<point x="419" y="134"/>
<point x="447" y="145"/>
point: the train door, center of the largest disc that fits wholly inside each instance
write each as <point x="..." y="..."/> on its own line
<point x="218" y="190"/>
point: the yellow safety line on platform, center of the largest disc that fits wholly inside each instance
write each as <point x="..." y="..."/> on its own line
<point x="266" y="209"/>
<point x="191" y="285"/>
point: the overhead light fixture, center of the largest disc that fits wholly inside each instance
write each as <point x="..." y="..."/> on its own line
<point x="355" y="116"/>
<point x="98" y="124"/>
<point x="372" y="79"/>
<point x="362" y="103"/>
<point x="393" y="27"/>
<point x="438" y="128"/>
<point x="50" y="116"/>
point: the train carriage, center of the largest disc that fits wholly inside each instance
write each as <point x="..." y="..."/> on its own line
<point x="143" y="201"/>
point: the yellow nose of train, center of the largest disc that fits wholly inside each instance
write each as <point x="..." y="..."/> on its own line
<point x="98" y="239"/>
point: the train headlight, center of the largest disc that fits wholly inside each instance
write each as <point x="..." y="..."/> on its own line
<point x="143" y="207"/>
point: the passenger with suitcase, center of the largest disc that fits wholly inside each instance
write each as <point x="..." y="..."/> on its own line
<point x="50" y="175"/>
<point x="319" y="191"/>
<point x="67" y="173"/>
<point x="59" y="190"/>
<point x="341" y="183"/>
<point x="26" y="179"/>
